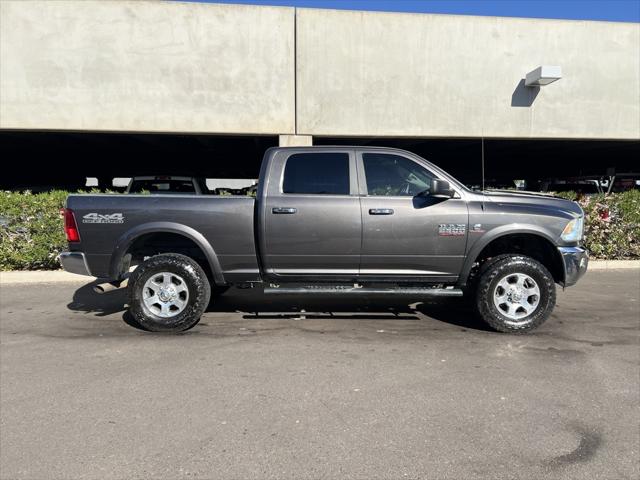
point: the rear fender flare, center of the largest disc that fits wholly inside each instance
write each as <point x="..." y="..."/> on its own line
<point x="127" y="239"/>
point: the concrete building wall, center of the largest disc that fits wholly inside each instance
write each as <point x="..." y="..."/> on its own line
<point x="366" y="73"/>
<point x="199" y="67"/>
<point x="146" y="66"/>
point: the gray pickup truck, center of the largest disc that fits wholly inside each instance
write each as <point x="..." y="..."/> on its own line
<point x="333" y="220"/>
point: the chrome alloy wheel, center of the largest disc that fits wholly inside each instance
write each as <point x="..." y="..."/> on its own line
<point x="516" y="296"/>
<point x="165" y="294"/>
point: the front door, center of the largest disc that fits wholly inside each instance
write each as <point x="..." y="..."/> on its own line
<point x="405" y="234"/>
<point x="312" y="216"/>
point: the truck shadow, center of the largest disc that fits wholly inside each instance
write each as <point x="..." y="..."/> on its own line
<point x="85" y="299"/>
<point x="252" y="303"/>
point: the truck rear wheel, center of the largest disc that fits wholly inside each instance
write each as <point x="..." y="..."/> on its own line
<point x="168" y="293"/>
<point x="515" y="293"/>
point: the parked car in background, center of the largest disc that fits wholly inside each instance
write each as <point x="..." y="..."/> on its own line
<point x="167" y="184"/>
<point x="621" y="182"/>
<point x="584" y="187"/>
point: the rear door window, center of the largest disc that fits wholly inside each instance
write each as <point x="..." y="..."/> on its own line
<point x="317" y="173"/>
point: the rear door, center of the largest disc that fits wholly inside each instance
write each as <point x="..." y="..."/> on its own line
<point x="311" y="215"/>
<point x="405" y="234"/>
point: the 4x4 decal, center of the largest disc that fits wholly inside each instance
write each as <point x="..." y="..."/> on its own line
<point x="103" y="218"/>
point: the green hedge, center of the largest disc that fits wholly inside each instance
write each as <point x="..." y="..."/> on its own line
<point x="612" y="224"/>
<point x="31" y="232"/>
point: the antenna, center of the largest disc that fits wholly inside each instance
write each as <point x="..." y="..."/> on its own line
<point x="483" y="164"/>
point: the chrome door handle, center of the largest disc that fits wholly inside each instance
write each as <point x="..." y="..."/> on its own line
<point x="284" y="210"/>
<point x="381" y="211"/>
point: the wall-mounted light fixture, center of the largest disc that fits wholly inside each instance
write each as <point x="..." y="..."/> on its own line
<point x="543" y="75"/>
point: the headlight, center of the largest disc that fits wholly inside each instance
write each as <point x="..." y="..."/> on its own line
<point x="573" y="231"/>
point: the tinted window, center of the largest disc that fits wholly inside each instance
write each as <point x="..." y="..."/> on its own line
<point x="319" y="173"/>
<point x="394" y="175"/>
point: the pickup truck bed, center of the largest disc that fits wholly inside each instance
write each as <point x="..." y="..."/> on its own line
<point x="223" y="221"/>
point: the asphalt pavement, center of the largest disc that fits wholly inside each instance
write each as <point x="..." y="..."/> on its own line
<point x="365" y="388"/>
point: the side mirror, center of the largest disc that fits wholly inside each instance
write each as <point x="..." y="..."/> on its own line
<point x="440" y="188"/>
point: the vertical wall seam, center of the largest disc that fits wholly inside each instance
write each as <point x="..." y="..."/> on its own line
<point x="295" y="71"/>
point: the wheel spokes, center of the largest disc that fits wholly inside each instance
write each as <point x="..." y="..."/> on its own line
<point x="165" y="308"/>
<point x="165" y="294"/>
<point x="152" y="300"/>
<point x="178" y="303"/>
<point x="516" y="296"/>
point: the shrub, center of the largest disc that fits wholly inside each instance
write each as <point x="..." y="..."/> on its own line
<point x="612" y="224"/>
<point x="31" y="230"/>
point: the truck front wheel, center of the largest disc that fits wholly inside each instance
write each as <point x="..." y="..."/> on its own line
<point x="168" y="293"/>
<point x="515" y="293"/>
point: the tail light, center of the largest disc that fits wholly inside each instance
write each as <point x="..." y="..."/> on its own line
<point x="70" y="227"/>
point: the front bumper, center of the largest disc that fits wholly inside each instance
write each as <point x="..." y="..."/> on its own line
<point x="576" y="260"/>
<point x="75" y="262"/>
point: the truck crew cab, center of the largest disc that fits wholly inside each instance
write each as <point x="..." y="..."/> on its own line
<point x="333" y="220"/>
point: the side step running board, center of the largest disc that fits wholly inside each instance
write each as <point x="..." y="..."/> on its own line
<point x="416" y="291"/>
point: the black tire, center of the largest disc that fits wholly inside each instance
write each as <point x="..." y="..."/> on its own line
<point x="195" y="280"/>
<point x="504" y="266"/>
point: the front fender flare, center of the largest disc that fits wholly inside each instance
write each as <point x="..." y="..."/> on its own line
<point x="496" y="233"/>
<point x="125" y="241"/>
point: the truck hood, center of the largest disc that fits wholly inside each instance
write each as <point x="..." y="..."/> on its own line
<point x="533" y="198"/>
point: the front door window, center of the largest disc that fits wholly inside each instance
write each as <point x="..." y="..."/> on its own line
<point x="394" y="175"/>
